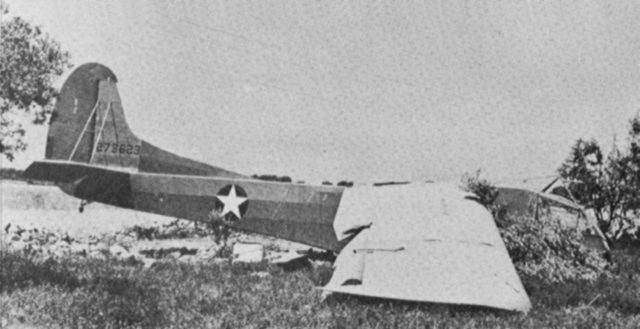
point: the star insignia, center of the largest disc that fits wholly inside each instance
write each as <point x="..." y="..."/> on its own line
<point x="231" y="202"/>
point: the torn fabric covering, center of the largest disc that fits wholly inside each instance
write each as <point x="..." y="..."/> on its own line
<point x="426" y="243"/>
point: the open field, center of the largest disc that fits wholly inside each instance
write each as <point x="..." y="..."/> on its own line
<point x="108" y="293"/>
<point x="49" y="208"/>
<point x="69" y="291"/>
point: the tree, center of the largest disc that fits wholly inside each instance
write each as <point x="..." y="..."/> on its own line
<point x="345" y="183"/>
<point x="30" y="61"/>
<point x="273" y="178"/>
<point x="610" y="186"/>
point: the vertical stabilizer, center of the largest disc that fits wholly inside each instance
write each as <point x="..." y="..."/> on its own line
<point x="88" y="126"/>
<point x="88" y="123"/>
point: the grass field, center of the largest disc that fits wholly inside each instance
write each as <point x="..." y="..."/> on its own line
<point x="91" y="293"/>
<point x="84" y="292"/>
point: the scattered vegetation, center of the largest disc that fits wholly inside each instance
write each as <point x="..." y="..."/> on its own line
<point x="610" y="186"/>
<point x="177" y="229"/>
<point x="539" y="248"/>
<point x="95" y="293"/>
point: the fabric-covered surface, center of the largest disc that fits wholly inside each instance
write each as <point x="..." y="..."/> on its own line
<point x="426" y="242"/>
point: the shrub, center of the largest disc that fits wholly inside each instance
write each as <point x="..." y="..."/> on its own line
<point x="545" y="249"/>
<point x="485" y="193"/>
<point x="538" y="247"/>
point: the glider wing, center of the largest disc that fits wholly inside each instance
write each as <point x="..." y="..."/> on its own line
<point x="428" y="243"/>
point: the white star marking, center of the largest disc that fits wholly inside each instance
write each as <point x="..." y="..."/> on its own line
<point x="231" y="202"/>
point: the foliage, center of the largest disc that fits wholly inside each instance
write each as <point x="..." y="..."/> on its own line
<point x="109" y="293"/>
<point x="273" y="178"/>
<point x="481" y="187"/>
<point x="485" y="192"/>
<point x="345" y="183"/>
<point x="547" y="251"/>
<point x="11" y="174"/>
<point x="29" y="63"/>
<point x="610" y="186"/>
<point x="542" y="247"/>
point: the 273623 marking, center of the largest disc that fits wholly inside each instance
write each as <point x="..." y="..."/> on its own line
<point x="118" y="148"/>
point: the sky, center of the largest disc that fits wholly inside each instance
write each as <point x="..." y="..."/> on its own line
<point x="361" y="90"/>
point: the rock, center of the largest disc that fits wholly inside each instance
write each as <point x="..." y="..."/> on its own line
<point x="93" y="240"/>
<point x="52" y="238"/>
<point x="248" y="253"/>
<point x="219" y="260"/>
<point x="211" y="290"/>
<point x="208" y="252"/>
<point x="97" y="254"/>
<point x="79" y="248"/>
<point x="26" y="236"/>
<point x="118" y="250"/>
<point x="100" y="247"/>
<point x="59" y="249"/>
<point x="147" y="262"/>
<point x="321" y="263"/>
<point x="188" y="258"/>
<point x="261" y="275"/>
<point x="127" y="255"/>
<point x="18" y="245"/>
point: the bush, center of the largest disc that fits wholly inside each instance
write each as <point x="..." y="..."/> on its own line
<point x="543" y="248"/>
<point x="485" y="193"/>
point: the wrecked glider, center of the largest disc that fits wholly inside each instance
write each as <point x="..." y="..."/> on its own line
<point x="420" y="241"/>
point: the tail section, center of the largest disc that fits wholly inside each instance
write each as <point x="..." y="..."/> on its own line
<point x="88" y="126"/>
<point x="88" y="123"/>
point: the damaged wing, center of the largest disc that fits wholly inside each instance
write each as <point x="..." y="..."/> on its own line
<point x="427" y="242"/>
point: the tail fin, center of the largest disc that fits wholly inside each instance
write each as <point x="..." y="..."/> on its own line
<point x="88" y="123"/>
<point x="88" y="126"/>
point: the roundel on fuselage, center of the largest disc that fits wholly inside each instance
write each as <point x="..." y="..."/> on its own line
<point x="231" y="202"/>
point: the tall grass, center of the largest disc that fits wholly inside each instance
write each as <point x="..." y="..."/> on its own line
<point x="92" y="293"/>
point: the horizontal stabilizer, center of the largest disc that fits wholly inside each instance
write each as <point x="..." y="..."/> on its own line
<point x="86" y="182"/>
<point x="63" y="172"/>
